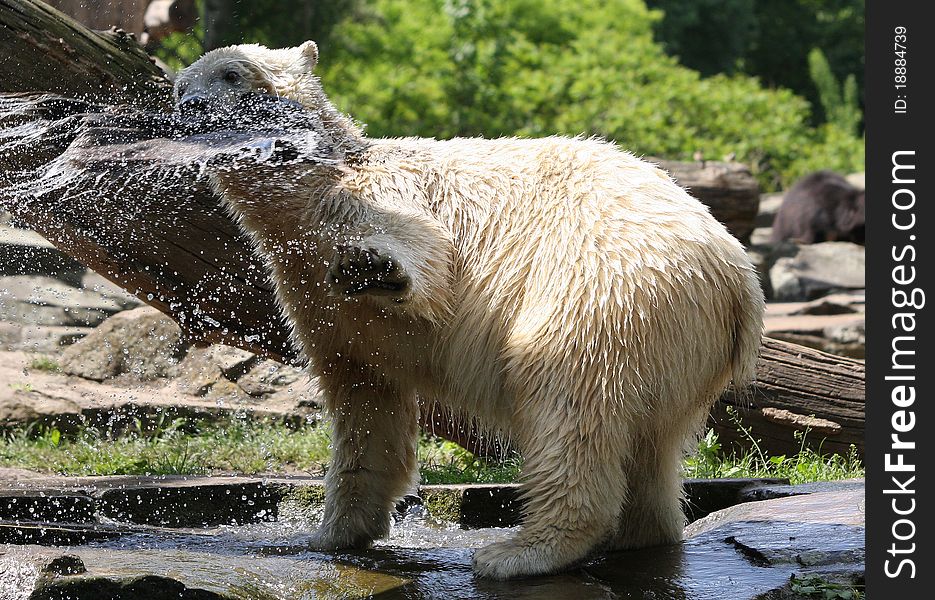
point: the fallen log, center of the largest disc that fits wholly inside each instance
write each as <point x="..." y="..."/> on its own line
<point x="799" y="389"/>
<point x="46" y="50"/>
<point x="166" y="238"/>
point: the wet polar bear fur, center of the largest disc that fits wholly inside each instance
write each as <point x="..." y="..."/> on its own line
<point x="561" y="290"/>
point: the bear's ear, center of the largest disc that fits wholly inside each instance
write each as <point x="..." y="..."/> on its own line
<point x="309" y="51"/>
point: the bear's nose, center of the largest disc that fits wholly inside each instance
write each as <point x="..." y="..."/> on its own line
<point x="193" y="104"/>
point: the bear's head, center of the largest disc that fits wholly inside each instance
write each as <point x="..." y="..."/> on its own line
<point x="222" y="77"/>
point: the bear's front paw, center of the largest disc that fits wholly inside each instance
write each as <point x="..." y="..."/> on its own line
<point x="509" y="559"/>
<point x="366" y="271"/>
<point x="330" y="541"/>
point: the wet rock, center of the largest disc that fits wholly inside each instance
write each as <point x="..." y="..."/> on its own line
<point x="25" y="252"/>
<point x="201" y="504"/>
<point x="53" y="507"/>
<point x="746" y="552"/>
<point x="750" y="551"/>
<point x="475" y="505"/>
<point x="141" y="587"/>
<point x="268" y="377"/>
<point x="818" y="270"/>
<point x="203" y="369"/>
<point x="770" y="492"/>
<point x="42" y="300"/>
<point x="154" y="574"/>
<point x="141" y="343"/>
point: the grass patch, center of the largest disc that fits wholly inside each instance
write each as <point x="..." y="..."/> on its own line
<point x="446" y="462"/>
<point x="808" y="465"/>
<point x="44" y="363"/>
<point x="815" y="586"/>
<point x="233" y="446"/>
<point x="250" y="447"/>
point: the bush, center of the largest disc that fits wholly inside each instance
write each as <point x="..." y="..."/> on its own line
<point x="522" y="67"/>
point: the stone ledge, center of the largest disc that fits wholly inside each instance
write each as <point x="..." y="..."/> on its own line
<point x="196" y="501"/>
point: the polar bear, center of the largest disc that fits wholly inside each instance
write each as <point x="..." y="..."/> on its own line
<point x="561" y="290"/>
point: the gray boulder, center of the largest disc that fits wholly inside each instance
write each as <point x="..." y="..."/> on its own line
<point x="141" y="343"/>
<point x="817" y="270"/>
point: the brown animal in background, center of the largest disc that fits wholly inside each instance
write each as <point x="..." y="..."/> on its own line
<point x="821" y="207"/>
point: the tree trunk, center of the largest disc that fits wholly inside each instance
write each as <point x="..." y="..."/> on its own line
<point x="45" y="50"/>
<point x="164" y="236"/>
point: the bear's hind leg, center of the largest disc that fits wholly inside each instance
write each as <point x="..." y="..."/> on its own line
<point x="652" y="515"/>
<point x="374" y="436"/>
<point x="574" y="489"/>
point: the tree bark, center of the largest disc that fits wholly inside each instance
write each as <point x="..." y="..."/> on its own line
<point x="48" y="51"/>
<point x="165" y="237"/>
<point x="798" y="389"/>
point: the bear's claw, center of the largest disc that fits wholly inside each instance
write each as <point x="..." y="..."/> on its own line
<point x="366" y="271"/>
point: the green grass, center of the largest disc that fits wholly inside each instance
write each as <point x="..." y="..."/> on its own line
<point x="44" y="363"/>
<point x="814" y="586"/>
<point x="711" y="460"/>
<point x="250" y="447"/>
<point x="233" y="446"/>
<point x="446" y="462"/>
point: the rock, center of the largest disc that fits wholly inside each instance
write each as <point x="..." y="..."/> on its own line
<point x="200" y="574"/>
<point x="39" y="338"/>
<point x="268" y="377"/>
<point x="142" y="343"/>
<point x="760" y="258"/>
<point x="834" y="304"/>
<point x="858" y="180"/>
<point x="41" y="300"/>
<point x="35" y="392"/>
<point x="728" y="189"/>
<point x="817" y="270"/>
<point x="770" y="492"/>
<point x="207" y="370"/>
<point x="25" y="252"/>
<point x="750" y="551"/>
<point x="761" y="236"/>
<point x="833" y="323"/>
<point x="769" y="206"/>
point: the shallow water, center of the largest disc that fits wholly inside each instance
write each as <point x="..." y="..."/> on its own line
<point x="422" y="558"/>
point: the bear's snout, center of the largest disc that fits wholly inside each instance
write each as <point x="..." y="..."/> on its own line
<point x="191" y="105"/>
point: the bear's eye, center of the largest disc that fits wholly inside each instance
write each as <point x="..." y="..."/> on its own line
<point x="232" y="76"/>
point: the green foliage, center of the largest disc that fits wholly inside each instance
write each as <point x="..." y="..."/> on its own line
<point x="178" y="50"/>
<point x="44" y="363"/>
<point x="814" y="586"/>
<point x="711" y="460"/>
<point x="709" y="36"/>
<point x="840" y="105"/>
<point x="767" y="39"/>
<point x="446" y="462"/>
<point x="519" y="67"/>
